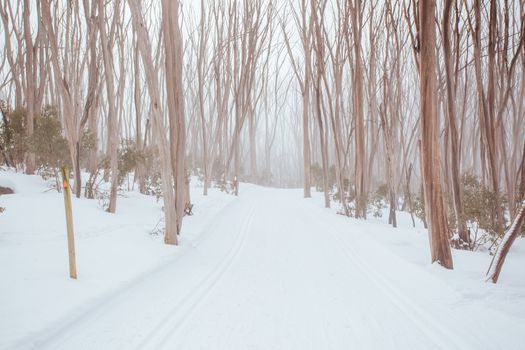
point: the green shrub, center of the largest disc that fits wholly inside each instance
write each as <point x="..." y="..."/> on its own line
<point x="378" y="201"/>
<point x="479" y="202"/>
<point x="51" y="149"/>
<point x="418" y="206"/>
<point x="88" y="143"/>
<point x="13" y="138"/>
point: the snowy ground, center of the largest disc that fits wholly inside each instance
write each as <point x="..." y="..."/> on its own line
<point x="267" y="270"/>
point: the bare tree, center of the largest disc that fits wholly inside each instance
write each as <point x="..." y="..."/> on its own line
<point x="177" y="129"/>
<point x="304" y="27"/>
<point x="113" y="129"/>
<point x="145" y="49"/>
<point x="356" y="15"/>
<point x="317" y="13"/>
<point x="430" y="157"/>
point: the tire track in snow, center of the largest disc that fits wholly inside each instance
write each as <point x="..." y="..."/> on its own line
<point x="168" y="327"/>
<point x="443" y="337"/>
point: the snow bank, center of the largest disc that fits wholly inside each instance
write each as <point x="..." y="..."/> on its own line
<point x="21" y="183"/>
<point x="266" y="270"/>
<point x="468" y="278"/>
<point x="112" y="250"/>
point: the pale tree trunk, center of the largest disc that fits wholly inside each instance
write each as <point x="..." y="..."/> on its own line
<point x="305" y="30"/>
<point x="222" y="81"/>
<point x="152" y="81"/>
<point x="307" y="184"/>
<point x="319" y="56"/>
<point x="253" y="147"/>
<point x="64" y="92"/>
<point x="307" y="49"/>
<point x="372" y="114"/>
<point x="137" y="98"/>
<point x="222" y="93"/>
<point x="252" y="32"/>
<point x="360" y="156"/>
<point x="337" y="56"/>
<point x="201" y="57"/>
<point x="387" y="132"/>
<point x="486" y="105"/>
<point x="41" y="64"/>
<point x="430" y="151"/>
<point x="506" y="243"/>
<point x="30" y="85"/>
<point x="90" y="115"/>
<point x="389" y="109"/>
<point x="457" y="191"/>
<point x="113" y="129"/>
<point x="13" y="64"/>
<point x="173" y="61"/>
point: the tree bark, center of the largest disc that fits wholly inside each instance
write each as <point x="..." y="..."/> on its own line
<point x="506" y="243"/>
<point x="457" y="191"/>
<point x="113" y="125"/>
<point x="152" y="81"/>
<point x="360" y="186"/>
<point x="30" y="86"/>
<point x="177" y="129"/>
<point x="430" y="152"/>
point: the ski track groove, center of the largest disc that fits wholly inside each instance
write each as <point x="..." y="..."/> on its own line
<point x="167" y="329"/>
<point x="179" y="314"/>
<point x="55" y="337"/>
<point x="424" y="321"/>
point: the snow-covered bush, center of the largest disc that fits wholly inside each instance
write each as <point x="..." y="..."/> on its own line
<point x="418" y="206"/>
<point x="378" y="201"/>
<point x="154" y="185"/>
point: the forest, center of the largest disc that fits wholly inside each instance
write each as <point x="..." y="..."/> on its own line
<point x="262" y="174"/>
<point x="415" y="106"/>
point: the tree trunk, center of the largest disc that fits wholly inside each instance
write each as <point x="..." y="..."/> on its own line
<point x="457" y="191"/>
<point x="173" y="62"/>
<point x="430" y="152"/>
<point x="152" y="81"/>
<point x="506" y="243"/>
<point x="361" y="200"/>
<point x="30" y="86"/>
<point x="113" y="131"/>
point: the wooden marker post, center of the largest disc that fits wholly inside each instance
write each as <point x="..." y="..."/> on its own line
<point x="69" y="222"/>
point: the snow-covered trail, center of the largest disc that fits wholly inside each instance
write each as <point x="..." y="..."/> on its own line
<point x="275" y="271"/>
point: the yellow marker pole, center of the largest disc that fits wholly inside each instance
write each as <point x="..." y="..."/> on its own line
<point x="69" y="222"/>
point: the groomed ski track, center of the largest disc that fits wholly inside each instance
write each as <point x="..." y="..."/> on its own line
<point x="276" y="271"/>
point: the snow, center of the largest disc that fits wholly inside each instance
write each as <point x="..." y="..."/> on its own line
<point x="267" y="270"/>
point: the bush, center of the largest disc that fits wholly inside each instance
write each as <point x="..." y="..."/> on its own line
<point x="129" y="157"/>
<point x="378" y="201"/>
<point x="348" y="189"/>
<point x="88" y="143"/>
<point x="154" y="185"/>
<point x="218" y="170"/>
<point x="418" y="206"/>
<point x="149" y="161"/>
<point x="317" y="177"/>
<point x="13" y="134"/>
<point x="47" y="143"/>
<point x="479" y="202"/>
